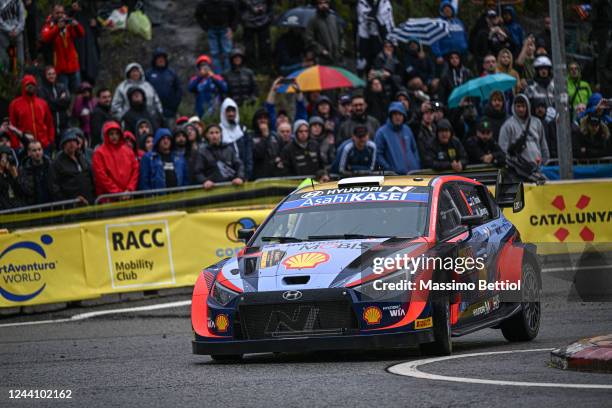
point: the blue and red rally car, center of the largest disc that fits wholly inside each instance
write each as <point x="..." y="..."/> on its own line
<point x="325" y="272"/>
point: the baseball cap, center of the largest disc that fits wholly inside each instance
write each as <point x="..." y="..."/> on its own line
<point x="484" y="126"/>
<point x="345" y="99"/>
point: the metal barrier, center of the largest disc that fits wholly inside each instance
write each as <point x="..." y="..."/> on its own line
<point x="56" y="205"/>
<point x="589" y="161"/>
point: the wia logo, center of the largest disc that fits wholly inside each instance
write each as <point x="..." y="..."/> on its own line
<point x="25" y="273"/>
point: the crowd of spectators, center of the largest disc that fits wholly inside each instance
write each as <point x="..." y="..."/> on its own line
<point x="65" y="138"/>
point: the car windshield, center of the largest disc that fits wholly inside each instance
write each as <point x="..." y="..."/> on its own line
<point x="348" y="216"/>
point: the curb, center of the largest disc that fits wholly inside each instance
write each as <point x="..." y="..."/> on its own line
<point x="590" y="354"/>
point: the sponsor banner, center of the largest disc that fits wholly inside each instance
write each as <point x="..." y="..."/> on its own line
<point x="575" y="212"/>
<point x="42" y="266"/>
<point x="117" y="255"/>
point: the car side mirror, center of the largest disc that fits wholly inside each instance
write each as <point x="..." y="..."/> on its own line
<point x="245" y="234"/>
<point x="472" y="221"/>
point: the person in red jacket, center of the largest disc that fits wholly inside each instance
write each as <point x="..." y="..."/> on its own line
<point x="60" y="31"/>
<point x="115" y="166"/>
<point x="31" y="114"/>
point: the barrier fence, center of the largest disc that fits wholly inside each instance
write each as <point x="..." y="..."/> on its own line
<point x="168" y="249"/>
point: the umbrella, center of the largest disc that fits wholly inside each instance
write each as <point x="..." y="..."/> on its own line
<point x="300" y="16"/>
<point x="425" y="30"/>
<point x="481" y="88"/>
<point x="321" y="77"/>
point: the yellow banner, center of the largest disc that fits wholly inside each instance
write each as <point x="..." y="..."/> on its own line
<point x="42" y="266"/>
<point x="566" y="212"/>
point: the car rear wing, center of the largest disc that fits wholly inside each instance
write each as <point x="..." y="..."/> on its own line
<point x="509" y="193"/>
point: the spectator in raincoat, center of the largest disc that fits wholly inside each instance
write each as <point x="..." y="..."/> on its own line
<point x="135" y="77"/>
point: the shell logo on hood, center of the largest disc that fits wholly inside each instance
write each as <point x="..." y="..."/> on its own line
<point x="305" y="260"/>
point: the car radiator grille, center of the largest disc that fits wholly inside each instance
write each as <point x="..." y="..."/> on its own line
<point x="295" y="320"/>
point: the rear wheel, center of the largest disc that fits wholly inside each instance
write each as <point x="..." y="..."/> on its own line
<point x="226" y="358"/>
<point x="442" y="344"/>
<point x="524" y="325"/>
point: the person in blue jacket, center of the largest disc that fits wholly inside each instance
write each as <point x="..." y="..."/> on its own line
<point x="166" y="83"/>
<point x="208" y="87"/>
<point x="161" y="167"/>
<point x="456" y="40"/>
<point x="512" y="25"/>
<point x="396" y="149"/>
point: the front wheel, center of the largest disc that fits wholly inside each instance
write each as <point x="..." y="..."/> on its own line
<point x="525" y="325"/>
<point x="442" y="344"/>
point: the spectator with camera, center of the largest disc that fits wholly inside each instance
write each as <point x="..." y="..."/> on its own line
<point x="70" y="175"/>
<point x="208" y="87"/>
<point x="60" y="31"/>
<point x="34" y="175"/>
<point x="10" y="191"/>
<point x="523" y="140"/>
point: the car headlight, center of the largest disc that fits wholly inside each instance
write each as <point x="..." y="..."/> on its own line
<point x="222" y="294"/>
<point x="378" y="289"/>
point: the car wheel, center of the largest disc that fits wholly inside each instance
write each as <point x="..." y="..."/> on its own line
<point x="524" y="325"/>
<point x="226" y="358"/>
<point x="442" y="344"/>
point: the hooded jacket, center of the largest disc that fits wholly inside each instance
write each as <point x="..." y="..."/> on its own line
<point x="65" y="56"/>
<point x="208" y="92"/>
<point x="595" y="145"/>
<point x="457" y="38"/>
<point x="396" y="148"/>
<point x="115" y="166"/>
<point x="324" y="33"/>
<point x="121" y="102"/>
<point x="256" y="13"/>
<point x="438" y="156"/>
<point x="218" y="164"/>
<point x="266" y="150"/>
<point x="58" y="98"/>
<point x="514" y="28"/>
<point x="234" y="134"/>
<point x="137" y="114"/>
<point x="69" y="179"/>
<point x="301" y="159"/>
<point x="495" y="117"/>
<point x="31" y="114"/>
<point x="241" y="84"/>
<point x="34" y="181"/>
<point x="167" y="84"/>
<point x="536" y="148"/>
<point x="152" y="174"/>
<point x="453" y="77"/>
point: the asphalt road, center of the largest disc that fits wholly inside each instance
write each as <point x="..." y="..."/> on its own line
<point x="144" y="359"/>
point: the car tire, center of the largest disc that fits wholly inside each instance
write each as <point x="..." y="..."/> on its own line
<point x="525" y="325"/>
<point x="442" y="344"/>
<point x="226" y="358"/>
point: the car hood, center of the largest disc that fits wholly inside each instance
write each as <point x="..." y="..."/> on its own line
<point x="313" y="264"/>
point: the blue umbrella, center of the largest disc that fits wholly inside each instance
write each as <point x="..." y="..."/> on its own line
<point x="425" y="30"/>
<point x="481" y="88"/>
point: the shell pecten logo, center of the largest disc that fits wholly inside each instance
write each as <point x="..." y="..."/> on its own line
<point x="222" y="323"/>
<point x="305" y="260"/>
<point x="372" y="315"/>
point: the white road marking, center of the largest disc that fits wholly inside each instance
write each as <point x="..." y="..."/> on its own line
<point x="89" y="315"/>
<point x="411" y="369"/>
<point x="575" y="268"/>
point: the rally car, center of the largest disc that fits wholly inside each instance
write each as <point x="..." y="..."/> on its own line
<point x="316" y="274"/>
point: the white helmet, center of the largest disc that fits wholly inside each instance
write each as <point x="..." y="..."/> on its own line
<point x="542" y="62"/>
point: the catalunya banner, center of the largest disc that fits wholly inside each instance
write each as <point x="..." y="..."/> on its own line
<point x="117" y="255"/>
<point x="566" y="213"/>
